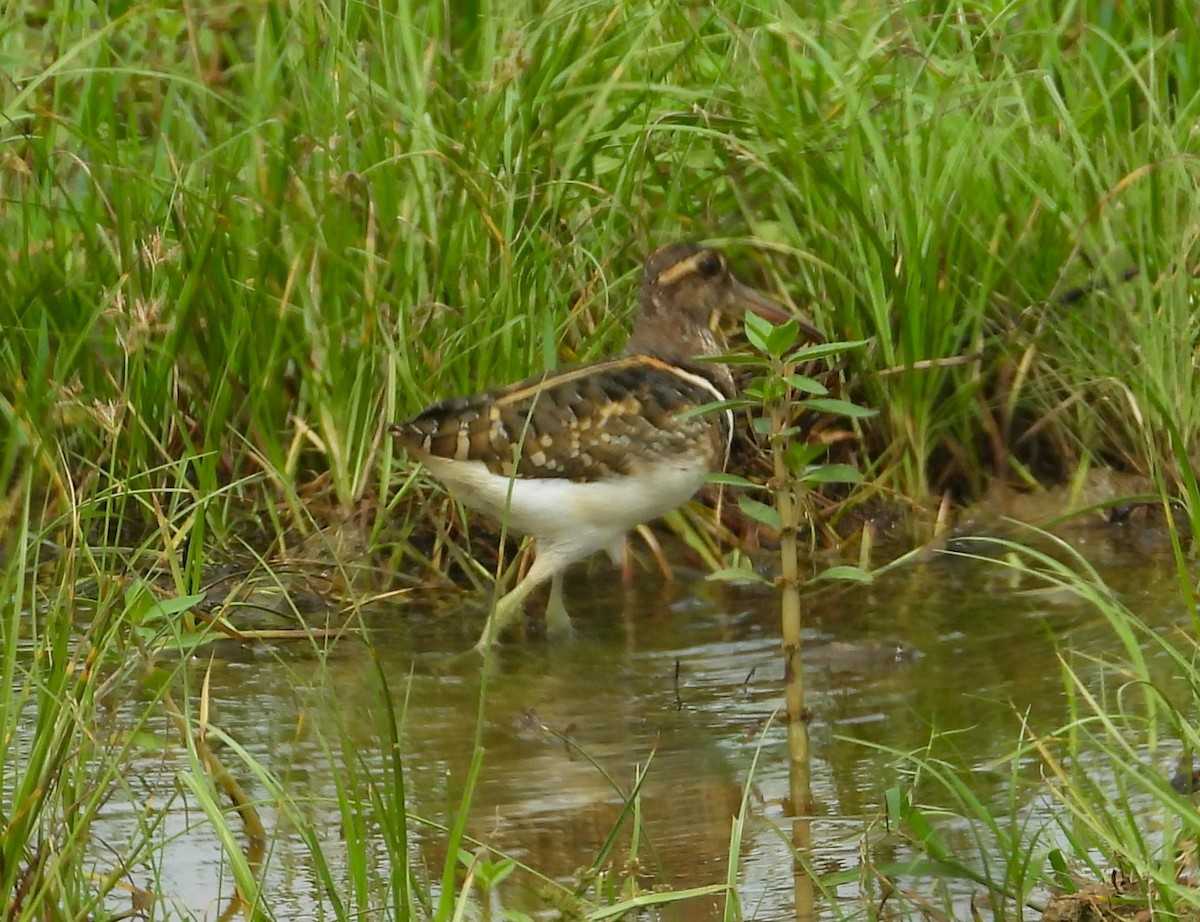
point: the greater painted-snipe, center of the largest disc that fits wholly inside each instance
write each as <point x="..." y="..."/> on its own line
<point x="579" y="456"/>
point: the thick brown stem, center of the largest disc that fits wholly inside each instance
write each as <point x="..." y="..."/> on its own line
<point x="790" y="511"/>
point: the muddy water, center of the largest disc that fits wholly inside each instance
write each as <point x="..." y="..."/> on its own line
<point x="680" y="681"/>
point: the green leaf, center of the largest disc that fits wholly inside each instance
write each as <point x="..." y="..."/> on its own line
<point x="833" y="473"/>
<point x="808" y="353"/>
<point x="806" y="385"/>
<point x="800" y="455"/>
<point x="789" y="434"/>
<point x="157" y="679"/>
<point x="761" y="425"/>
<point x="758" y="331"/>
<point x="716" y="406"/>
<point x="782" y="338"/>
<point x="176" y="606"/>
<point x="845" y="572"/>
<point x="166" y="638"/>
<point x="733" y="480"/>
<point x="777" y="390"/>
<point x="148" y="741"/>
<point x="836" y="407"/>
<point x="141" y="602"/>
<point x="760" y="512"/>
<point x="734" y="358"/>
<point x="492" y="874"/>
<point x="896" y="804"/>
<point x="770" y="339"/>
<point x="1061" y="869"/>
<point x="925" y="833"/>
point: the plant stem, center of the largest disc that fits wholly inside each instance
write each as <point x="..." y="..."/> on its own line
<point x="790" y="509"/>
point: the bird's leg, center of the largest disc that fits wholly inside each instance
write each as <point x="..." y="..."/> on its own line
<point x="621" y="555"/>
<point x="508" y="608"/>
<point x="626" y="562"/>
<point x="558" y="622"/>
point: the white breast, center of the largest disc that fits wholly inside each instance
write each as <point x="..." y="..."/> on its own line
<point x="587" y="516"/>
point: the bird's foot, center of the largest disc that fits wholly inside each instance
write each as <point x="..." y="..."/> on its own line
<point x="558" y="622"/>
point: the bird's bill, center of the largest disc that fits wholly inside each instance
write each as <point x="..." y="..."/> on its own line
<point x="758" y="303"/>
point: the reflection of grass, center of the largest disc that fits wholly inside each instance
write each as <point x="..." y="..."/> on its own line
<point x="86" y="706"/>
<point x="1110" y="829"/>
<point x="240" y="240"/>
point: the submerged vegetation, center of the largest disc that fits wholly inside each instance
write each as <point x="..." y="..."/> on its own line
<point x="240" y="239"/>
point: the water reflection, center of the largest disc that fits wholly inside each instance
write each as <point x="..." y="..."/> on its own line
<point x="677" y="681"/>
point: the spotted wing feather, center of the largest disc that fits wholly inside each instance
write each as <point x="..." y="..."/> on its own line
<point x="587" y="423"/>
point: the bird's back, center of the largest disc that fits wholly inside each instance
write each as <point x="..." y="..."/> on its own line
<point x="592" y="422"/>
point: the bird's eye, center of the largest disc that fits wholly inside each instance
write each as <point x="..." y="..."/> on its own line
<point x="710" y="264"/>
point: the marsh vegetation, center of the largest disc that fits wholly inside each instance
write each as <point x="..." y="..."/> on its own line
<point x="239" y="240"/>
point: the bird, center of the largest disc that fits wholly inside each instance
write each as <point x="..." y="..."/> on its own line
<point x="578" y="456"/>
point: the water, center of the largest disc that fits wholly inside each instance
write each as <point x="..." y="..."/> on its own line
<point x="680" y="681"/>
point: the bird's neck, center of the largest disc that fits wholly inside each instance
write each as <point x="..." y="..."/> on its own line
<point x="680" y="343"/>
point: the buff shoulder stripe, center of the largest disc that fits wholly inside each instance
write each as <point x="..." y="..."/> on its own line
<point x="692" y="378"/>
<point x="583" y="372"/>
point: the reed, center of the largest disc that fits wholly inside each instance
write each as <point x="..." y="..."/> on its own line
<point x="238" y="241"/>
<point x="251" y="238"/>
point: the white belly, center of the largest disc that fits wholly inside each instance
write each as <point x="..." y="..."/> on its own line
<point x="585" y="516"/>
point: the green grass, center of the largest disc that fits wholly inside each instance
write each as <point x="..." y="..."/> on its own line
<point x="250" y="237"/>
<point x="1110" y="823"/>
<point x="239" y="240"/>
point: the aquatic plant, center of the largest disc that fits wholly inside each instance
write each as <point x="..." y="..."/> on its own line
<point x="240" y="240"/>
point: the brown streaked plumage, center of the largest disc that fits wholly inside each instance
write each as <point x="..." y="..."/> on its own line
<point x="582" y="424"/>
<point x="579" y="456"/>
